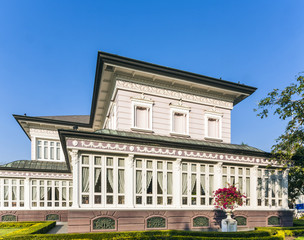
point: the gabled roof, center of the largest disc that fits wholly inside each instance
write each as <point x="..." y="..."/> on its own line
<point x="36" y="166"/>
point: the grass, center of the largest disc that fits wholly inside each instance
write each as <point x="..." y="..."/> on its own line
<point x="4" y="231"/>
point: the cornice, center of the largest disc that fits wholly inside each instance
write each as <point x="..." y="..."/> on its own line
<point x="171" y="91"/>
<point x="73" y="143"/>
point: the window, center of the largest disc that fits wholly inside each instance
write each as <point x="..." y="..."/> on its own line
<point x="270" y="188"/>
<point x="179" y="121"/>
<point x="142" y="115"/>
<point x="197" y="184"/>
<point x="51" y="193"/>
<point x="153" y="182"/>
<point x="48" y="150"/>
<point x="213" y="126"/>
<point x="102" y="180"/>
<point x="238" y="176"/>
<point x="13" y="193"/>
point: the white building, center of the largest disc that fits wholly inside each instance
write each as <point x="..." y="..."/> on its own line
<point x="154" y="148"/>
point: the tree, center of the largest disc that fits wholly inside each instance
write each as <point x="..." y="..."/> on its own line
<point x="288" y="104"/>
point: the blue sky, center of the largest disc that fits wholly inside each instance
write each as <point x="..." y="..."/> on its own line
<point x="48" y="53"/>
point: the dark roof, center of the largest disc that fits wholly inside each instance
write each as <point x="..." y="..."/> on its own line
<point x="36" y="166"/>
<point x="70" y="118"/>
<point x="180" y="140"/>
<point x="157" y="140"/>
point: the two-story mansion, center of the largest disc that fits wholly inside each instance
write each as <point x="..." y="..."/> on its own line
<point x="154" y="148"/>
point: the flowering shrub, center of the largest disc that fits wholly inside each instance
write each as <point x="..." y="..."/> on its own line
<point x="228" y="198"/>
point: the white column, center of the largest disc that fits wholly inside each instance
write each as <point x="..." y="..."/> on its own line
<point x="253" y="186"/>
<point x="285" y="189"/>
<point x="27" y="195"/>
<point x="218" y="175"/>
<point x="177" y="185"/>
<point x="129" y="181"/>
<point x="76" y="182"/>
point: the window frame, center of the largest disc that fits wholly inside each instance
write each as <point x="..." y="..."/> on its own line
<point x="42" y="146"/>
<point x="218" y="117"/>
<point x="182" y="110"/>
<point x="146" y="104"/>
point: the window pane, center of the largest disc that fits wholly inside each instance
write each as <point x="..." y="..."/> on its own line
<point x="203" y="185"/>
<point x="121" y="181"/>
<point x="142" y="117"/>
<point x="138" y="182"/>
<point x="97" y="160"/>
<point x="149" y="183"/>
<point x="169" y="183"/>
<point x="121" y="162"/>
<point x="193" y="184"/>
<point x="46" y="149"/>
<point x="97" y="180"/>
<point x="85" y="179"/>
<point x="169" y="165"/>
<point x="179" y="122"/>
<point x="159" y="183"/>
<point x="109" y="180"/>
<point x="213" y="128"/>
<point x="211" y="182"/>
<point x="159" y="165"/>
<point x="85" y="160"/>
<point x="138" y="163"/>
<point x="52" y="150"/>
<point x="184" y="184"/>
<point x="109" y="161"/>
<point x="247" y="187"/>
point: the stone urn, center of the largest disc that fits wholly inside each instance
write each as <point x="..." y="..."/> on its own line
<point x="229" y="224"/>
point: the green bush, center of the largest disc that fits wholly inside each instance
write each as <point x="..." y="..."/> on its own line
<point x="298" y="222"/>
<point x="28" y="228"/>
<point x="164" y="234"/>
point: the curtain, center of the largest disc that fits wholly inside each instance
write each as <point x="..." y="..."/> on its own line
<point x="211" y="180"/>
<point x="241" y="184"/>
<point x="56" y="193"/>
<point x="49" y="193"/>
<point x="193" y="184"/>
<point x="224" y="181"/>
<point x="14" y="193"/>
<point x="41" y="193"/>
<point x="21" y="196"/>
<point x="85" y="179"/>
<point x="142" y="118"/>
<point x="121" y="181"/>
<point x="184" y="184"/>
<point x="149" y="181"/>
<point x="109" y="180"/>
<point x="5" y="192"/>
<point x="213" y="128"/>
<point x="259" y="187"/>
<point x="248" y="187"/>
<point x="97" y="182"/>
<point x="64" y="194"/>
<point x="280" y="188"/>
<point x="169" y="183"/>
<point x="266" y="187"/>
<point x="273" y="187"/>
<point x="179" y="123"/>
<point x="34" y="193"/>
<point x="160" y="183"/>
<point x="70" y="194"/>
<point x="203" y="185"/>
<point x="138" y="182"/>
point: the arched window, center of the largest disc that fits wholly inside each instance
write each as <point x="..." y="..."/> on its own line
<point x="274" y="221"/>
<point x="9" y="218"/>
<point x="156" y="222"/>
<point x="241" y="221"/>
<point x="200" y="222"/>
<point x="103" y="223"/>
<point x="52" y="217"/>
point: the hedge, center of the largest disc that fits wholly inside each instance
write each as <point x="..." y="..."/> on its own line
<point x="28" y="228"/>
<point x="165" y="234"/>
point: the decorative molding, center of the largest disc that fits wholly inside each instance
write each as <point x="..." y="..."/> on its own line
<point x="178" y="153"/>
<point x="120" y="84"/>
<point x="35" y="174"/>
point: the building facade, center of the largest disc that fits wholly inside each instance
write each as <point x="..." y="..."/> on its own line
<point x="149" y="156"/>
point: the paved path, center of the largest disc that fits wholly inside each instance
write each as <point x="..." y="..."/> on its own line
<point x="61" y="227"/>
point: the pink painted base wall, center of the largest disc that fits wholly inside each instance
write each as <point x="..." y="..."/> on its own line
<point x="80" y="221"/>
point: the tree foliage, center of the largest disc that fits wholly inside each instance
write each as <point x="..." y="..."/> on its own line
<point x="288" y="105"/>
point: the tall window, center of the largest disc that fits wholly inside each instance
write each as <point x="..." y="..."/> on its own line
<point x="48" y="150"/>
<point x="51" y="193"/>
<point x="102" y="180"/>
<point x="238" y="176"/>
<point x="270" y="188"/>
<point x="213" y="126"/>
<point x="197" y="184"/>
<point x="179" y="121"/>
<point x="12" y="191"/>
<point x="153" y="182"/>
<point x="142" y="115"/>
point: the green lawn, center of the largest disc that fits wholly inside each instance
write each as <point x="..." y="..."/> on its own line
<point x="301" y="238"/>
<point x="4" y="231"/>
